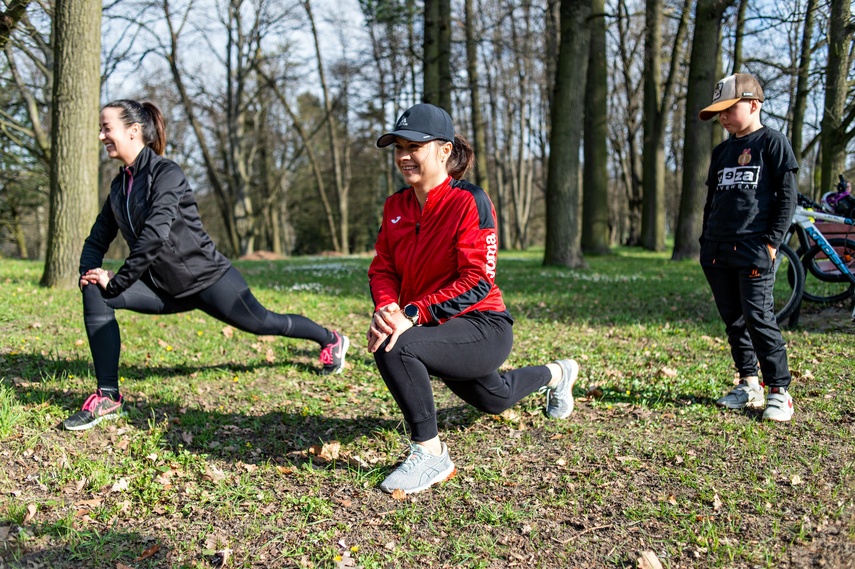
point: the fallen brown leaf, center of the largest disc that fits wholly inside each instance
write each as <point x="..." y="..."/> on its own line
<point x="329" y="451"/>
<point x="213" y="474"/>
<point x="648" y="560"/>
<point x="398" y="494"/>
<point x="31" y="513"/>
<point x="716" y="503"/>
<point x="148" y="552"/>
<point x="93" y="503"/>
<point x="228" y="331"/>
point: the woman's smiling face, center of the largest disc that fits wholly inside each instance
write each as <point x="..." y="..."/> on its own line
<point x="121" y="142"/>
<point x="422" y="164"/>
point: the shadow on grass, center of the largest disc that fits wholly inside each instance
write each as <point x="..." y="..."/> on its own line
<point x="84" y="547"/>
<point x="206" y="426"/>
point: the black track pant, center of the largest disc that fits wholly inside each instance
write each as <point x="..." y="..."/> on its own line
<point x="741" y="276"/>
<point x="464" y="353"/>
<point x="228" y="300"/>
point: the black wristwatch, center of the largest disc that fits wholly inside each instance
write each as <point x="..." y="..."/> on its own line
<point x="411" y="311"/>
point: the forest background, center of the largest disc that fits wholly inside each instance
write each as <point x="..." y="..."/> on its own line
<point x="583" y="114"/>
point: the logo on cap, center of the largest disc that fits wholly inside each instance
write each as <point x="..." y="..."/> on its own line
<point x="717" y="93"/>
<point x="402" y="122"/>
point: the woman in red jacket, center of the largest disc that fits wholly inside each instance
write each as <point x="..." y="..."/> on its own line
<point x="438" y="311"/>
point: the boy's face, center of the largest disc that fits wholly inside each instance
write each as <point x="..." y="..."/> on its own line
<point x="741" y="118"/>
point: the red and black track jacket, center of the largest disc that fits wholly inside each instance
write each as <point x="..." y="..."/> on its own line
<point x="442" y="257"/>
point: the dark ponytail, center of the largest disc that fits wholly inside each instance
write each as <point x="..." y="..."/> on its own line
<point x="148" y="117"/>
<point x="461" y="159"/>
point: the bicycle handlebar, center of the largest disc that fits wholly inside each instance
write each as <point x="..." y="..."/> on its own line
<point x="806" y="202"/>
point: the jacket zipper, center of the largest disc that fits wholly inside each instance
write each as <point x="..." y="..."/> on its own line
<point x="128" y="203"/>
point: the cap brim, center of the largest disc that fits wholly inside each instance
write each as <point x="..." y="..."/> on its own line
<point x="714" y="109"/>
<point x="389" y="137"/>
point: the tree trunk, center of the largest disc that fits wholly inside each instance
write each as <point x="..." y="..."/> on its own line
<point x="338" y="149"/>
<point x="658" y="97"/>
<point x="653" y="153"/>
<point x="802" y="82"/>
<point x="74" y="141"/>
<point x="836" y="88"/>
<point x="444" y="61"/>
<point x="563" y="230"/>
<point x="430" y="53"/>
<point x="632" y="163"/>
<point x="595" y="186"/>
<point x="698" y="136"/>
<point x="739" y="35"/>
<point x="220" y="189"/>
<point x="479" y="139"/>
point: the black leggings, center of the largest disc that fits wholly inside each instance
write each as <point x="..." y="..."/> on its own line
<point x="229" y="300"/>
<point x="464" y="353"/>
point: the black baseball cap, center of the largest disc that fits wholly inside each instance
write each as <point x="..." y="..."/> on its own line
<point x="420" y="123"/>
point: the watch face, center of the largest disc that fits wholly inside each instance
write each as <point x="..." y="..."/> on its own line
<point x="411" y="311"/>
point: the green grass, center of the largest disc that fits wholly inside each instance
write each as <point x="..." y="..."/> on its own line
<point x="220" y="446"/>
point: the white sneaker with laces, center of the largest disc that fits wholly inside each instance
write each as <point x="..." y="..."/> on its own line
<point x="559" y="399"/>
<point x="420" y="471"/>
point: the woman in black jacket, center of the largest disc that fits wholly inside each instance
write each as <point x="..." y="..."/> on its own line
<point x="173" y="265"/>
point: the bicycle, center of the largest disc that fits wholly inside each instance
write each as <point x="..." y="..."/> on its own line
<point x="830" y="260"/>
<point x="787" y="292"/>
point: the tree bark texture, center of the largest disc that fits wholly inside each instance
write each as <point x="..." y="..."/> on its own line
<point x="836" y="88"/>
<point x="802" y="81"/>
<point x="653" y="153"/>
<point x="430" y="53"/>
<point x="563" y="227"/>
<point x="595" y="186"/>
<point x="74" y="141"/>
<point x="698" y="134"/>
<point x="479" y="138"/>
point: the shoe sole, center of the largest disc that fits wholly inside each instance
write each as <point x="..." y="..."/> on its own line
<point x="787" y="420"/>
<point x="442" y="478"/>
<point x="89" y="425"/>
<point x="750" y="405"/>
<point x="574" y="374"/>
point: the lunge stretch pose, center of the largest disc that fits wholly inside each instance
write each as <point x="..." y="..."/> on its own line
<point x="750" y="201"/>
<point x="438" y="311"/>
<point x="173" y="265"/>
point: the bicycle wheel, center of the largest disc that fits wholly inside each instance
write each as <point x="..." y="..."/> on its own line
<point x="789" y="283"/>
<point x="829" y="284"/>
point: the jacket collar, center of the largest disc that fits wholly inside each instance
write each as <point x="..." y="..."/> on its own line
<point x="143" y="158"/>
<point x="435" y="195"/>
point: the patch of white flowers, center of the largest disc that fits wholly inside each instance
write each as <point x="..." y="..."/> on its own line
<point x="598" y="277"/>
<point x="325" y="269"/>
<point x="303" y="287"/>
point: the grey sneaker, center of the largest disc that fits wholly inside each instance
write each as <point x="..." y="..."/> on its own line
<point x="779" y="405"/>
<point x="742" y="396"/>
<point x="420" y="471"/>
<point x="559" y="399"/>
